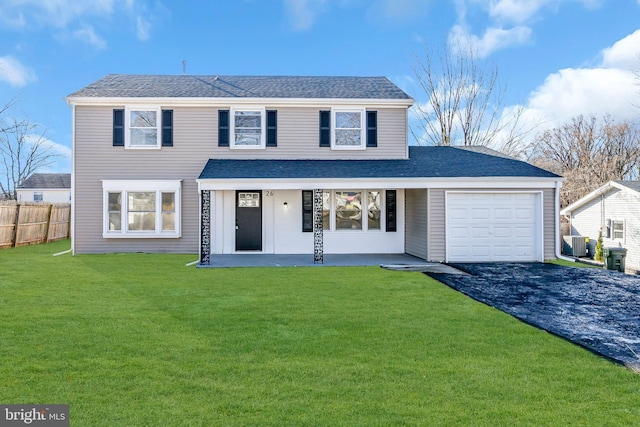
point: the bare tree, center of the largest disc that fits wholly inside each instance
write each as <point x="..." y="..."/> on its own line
<point x="24" y="149"/>
<point x="589" y="152"/>
<point x="465" y="101"/>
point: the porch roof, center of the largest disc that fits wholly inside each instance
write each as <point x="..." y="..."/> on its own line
<point x="423" y="162"/>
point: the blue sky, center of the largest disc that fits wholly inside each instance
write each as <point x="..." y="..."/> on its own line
<point x="558" y="58"/>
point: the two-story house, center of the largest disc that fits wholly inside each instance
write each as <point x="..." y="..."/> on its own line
<point x="290" y="165"/>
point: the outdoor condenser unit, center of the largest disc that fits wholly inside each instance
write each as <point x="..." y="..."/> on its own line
<point x="575" y="245"/>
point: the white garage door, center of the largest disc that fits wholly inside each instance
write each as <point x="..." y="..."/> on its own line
<point x="493" y="227"/>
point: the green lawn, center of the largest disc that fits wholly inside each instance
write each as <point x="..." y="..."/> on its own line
<point x="142" y="340"/>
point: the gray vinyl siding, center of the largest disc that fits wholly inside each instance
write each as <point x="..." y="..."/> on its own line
<point x="195" y="140"/>
<point x="615" y="205"/>
<point x="96" y="160"/>
<point x="549" y="223"/>
<point x="298" y="136"/>
<point x="437" y="222"/>
<point x="416" y="229"/>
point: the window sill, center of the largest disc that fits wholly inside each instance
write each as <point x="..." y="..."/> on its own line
<point x="141" y="235"/>
<point x="143" y="147"/>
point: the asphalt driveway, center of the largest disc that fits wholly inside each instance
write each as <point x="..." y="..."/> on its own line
<point x="595" y="308"/>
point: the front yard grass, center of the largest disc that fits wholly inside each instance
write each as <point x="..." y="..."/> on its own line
<point x="142" y="340"/>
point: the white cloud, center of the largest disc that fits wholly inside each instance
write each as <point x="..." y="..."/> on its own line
<point x="586" y="91"/>
<point x="510" y="21"/>
<point x="521" y="11"/>
<point x="143" y="27"/>
<point x="65" y="15"/>
<point x="302" y="13"/>
<point x="87" y="34"/>
<point x="14" y="72"/>
<point x="56" y="13"/>
<point x="608" y="89"/>
<point x="61" y="161"/>
<point x="493" y="39"/>
<point x="624" y="54"/>
<point x="397" y="11"/>
<point x="516" y="11"/>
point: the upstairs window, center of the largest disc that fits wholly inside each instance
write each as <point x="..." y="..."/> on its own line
<point x="247" y="128"/>
<point x="143" y="128"/>
<point x="349" y="130"/>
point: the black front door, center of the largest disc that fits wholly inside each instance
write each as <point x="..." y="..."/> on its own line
<point x="248" y="220"/>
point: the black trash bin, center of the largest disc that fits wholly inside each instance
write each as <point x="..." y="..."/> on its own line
<point x="614" y="258"/>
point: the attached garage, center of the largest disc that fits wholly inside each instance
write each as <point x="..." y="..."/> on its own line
<point x="494" y="226"/>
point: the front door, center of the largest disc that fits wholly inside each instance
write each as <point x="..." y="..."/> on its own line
<point x="248" y="220"/>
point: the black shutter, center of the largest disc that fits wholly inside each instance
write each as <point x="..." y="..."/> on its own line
<point x="391" y="210"/>
<point x="167" y="128"/>
<point x="118" y="128"/>
<point x="372" y="128"/>
<point x="272" y="128"/>
<point x="307" y="211"/>
<point x="223" y="128"/>
<point x="325" y="128"/>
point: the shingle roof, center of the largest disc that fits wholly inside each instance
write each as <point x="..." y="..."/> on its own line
<point x="634" y="185"/>
<point x="423" y="162"/>
<point x="189" y="86"/>
<point x="47" y="180"/>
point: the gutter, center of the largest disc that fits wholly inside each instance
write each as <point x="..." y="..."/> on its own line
<point x="557" y="210"/>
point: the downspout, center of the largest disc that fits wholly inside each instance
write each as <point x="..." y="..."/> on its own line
<point x="72" y="226"/>
<point x="557" y="215"/>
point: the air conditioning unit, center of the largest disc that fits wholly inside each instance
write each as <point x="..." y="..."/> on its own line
<point x="575" y="246"/>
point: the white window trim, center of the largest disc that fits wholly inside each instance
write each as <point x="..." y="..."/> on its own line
<point x="134" y="186"/>
<point x="41" y="196"/>
<point x="263" y="129"/>
<point x="363" y="128"/>
<point x="127" y="127"/>
<point x="613" y="230"/>
<point x="364" y="212"/>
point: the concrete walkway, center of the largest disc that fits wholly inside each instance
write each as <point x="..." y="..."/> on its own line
<point x="593" y="307"/>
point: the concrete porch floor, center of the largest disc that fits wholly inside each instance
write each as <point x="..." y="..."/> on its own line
<point x="393" y="261"/>
<point x="306" y="260"/>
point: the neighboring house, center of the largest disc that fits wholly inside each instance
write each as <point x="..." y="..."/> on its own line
<point x="229" y="165"/>
<point x="45" y="187"/>
<point x="613" y="208"/>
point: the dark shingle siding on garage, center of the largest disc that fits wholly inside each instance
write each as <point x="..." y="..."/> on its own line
<point x="423" y="162"/>
<point x="188" y="86"/>
<point x="47" y="180"/>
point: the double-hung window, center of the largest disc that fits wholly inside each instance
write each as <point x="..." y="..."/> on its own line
<point x="142" y="127"/>
<point x="248" y="128"/>
<point x="349" y="129"/>
<point x="617" y="230"/>
<point x="141" y="209"/>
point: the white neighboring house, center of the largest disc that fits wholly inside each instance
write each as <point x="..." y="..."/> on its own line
<point x="46" y="187"/>
<point x="613" y="208"/>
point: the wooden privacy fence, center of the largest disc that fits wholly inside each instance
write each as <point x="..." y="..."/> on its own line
<point x="31" y="224"/>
